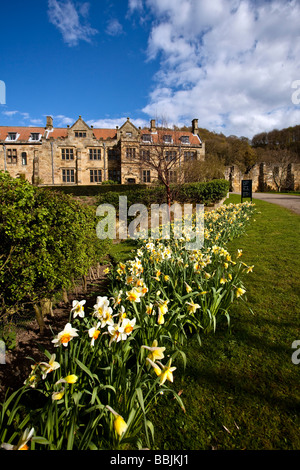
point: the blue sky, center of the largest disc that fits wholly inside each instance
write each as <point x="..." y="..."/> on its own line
<point x="229" y="63"/>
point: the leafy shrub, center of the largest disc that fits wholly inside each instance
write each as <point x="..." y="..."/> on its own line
<point x="47" y="240"/>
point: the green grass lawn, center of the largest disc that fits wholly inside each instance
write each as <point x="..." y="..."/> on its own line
<point x="240" y="388"/>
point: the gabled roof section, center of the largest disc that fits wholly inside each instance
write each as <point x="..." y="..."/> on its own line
<point x="127" y="126"/>
<point x="80" y="124"/>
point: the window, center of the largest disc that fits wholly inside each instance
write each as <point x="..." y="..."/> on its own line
<point x="35" y="136"/>
<point x="131" y="180"/>
<point x="172" y="176"/>
<point x="130" y="152"/>
<point x="12" y="156"/>
<point x="95" y="154"/>
<point x="80" y="134"/>
<point x="12" y="136"/>
<point x="114" y="175"/>
<point x="189" y="156"/>
<point x="68" y="175"/>
<point x="24" y="158"/>
<point x="168" y="139"/>
<point x="146" y="155"/>
<point x="112" y="154"/>
<point x="170" y="155"/>
<point x="147" y="138"/>
<point x="128" y="134"/>
<point x="146" y="176"/>
<point x="185" y="139"/>
<point x="95" y="176"/>
<point x="67" y="154"/>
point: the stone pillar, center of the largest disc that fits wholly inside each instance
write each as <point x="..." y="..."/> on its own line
<point x="35" y="174"/>
<point x="78" y="167"/>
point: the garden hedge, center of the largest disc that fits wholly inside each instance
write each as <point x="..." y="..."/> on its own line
<point x="48" y="240"/>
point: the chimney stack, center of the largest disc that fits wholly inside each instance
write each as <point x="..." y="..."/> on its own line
<point x="195" y="126"/>
<point x="49" y="124"/>
<point x="152" y="125"/>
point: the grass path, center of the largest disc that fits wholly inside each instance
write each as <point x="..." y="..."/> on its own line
<point x="240" y="388"/>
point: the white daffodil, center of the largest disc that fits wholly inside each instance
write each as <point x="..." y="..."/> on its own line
<point x="77" y="308"/>
<point x="65" y="336"/>
<point x="50" y="366"/>
<point x="94" y="332"/>
<point x="102" y="304"/>
<point x="22" y="444"/>
<point x="127" y="326"/>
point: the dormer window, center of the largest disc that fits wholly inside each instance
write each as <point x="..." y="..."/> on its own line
<point x="35" y="136"/>
<point x="80" y="134"/>
<point x="12" y="136"/>
<point x="147" y="138"/>
<point x="168" y="139"/>
<point x="185" y="139"/>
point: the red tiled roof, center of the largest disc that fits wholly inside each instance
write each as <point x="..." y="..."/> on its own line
<point x="60" y="132"/>
<point x="105" y="133"/>
<point x="24" y="132"/>
<point x="158" y="136"/>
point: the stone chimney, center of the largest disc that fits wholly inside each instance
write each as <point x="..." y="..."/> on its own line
<point x="152" y="125"/>
<point x="49" y="124"/>
<point x="195" y="126"/>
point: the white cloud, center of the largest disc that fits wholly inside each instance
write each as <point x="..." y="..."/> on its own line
<point x="61" y="121"/>
<point x="229" y="63"/>
<point x="114" y="27"/>
<point x="68" y="20"/>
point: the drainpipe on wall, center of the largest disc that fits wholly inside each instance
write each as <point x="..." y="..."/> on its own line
<point x="4" y="150"/>
<point x="52" y="162"/>
<point x="104" y="161"/>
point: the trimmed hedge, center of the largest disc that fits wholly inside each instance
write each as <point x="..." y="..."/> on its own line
<point x="198" y="193"/>
<point x="95" y="190"/>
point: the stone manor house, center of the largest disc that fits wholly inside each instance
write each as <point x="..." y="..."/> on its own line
<point x="83" y="155"/>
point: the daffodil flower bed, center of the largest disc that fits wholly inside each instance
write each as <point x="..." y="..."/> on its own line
<point x="111" y="364"/>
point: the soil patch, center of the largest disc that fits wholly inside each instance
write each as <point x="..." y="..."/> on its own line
<point x="18" y="361"/>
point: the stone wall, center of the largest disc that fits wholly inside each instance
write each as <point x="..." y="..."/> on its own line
<point x="264" y="177"/>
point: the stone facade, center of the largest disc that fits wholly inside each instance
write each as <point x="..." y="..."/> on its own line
<point x="83" y="155"/>
<point x="265" y="175"/>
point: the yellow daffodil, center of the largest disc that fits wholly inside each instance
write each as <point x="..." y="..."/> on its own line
<point x="71" y="379"/>
<point x="239" y="291"/>
<point x="106" y="270"/>
<point x="167" y="373"/>
<point x="58" y="395"/>
<point x="156" y="368"/>
<point x="120" y="425"/>
<point x="149" y="309"/>
<point x="192" y="307"/>
<point x="156" y="352"/>
<point x="188" y="288"/>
